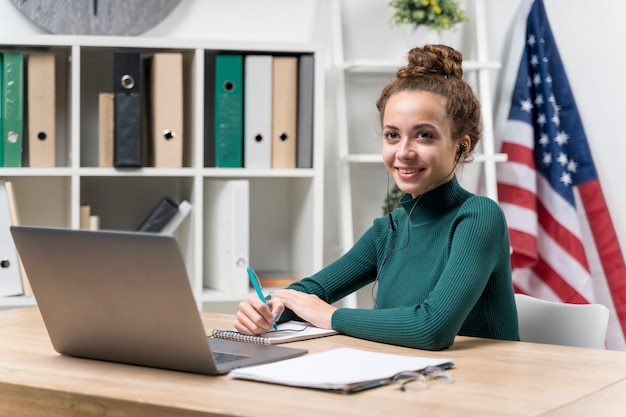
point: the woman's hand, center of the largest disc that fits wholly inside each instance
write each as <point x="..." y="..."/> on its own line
<point x="255" y="317"/>
<point x="308" y="307"/>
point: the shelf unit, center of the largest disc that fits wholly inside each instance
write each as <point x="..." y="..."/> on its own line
<point x="285" y="205"/>
<point x="362" y="74"/>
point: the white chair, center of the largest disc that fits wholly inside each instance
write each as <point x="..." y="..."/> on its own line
<point x="541" y="321"/>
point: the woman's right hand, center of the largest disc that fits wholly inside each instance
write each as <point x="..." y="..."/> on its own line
<point x="255" y="317"/>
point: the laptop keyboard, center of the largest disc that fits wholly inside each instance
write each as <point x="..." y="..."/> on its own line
<point x="223" y="357"/>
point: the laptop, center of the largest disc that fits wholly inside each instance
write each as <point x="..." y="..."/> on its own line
<point x="125" y="297"/>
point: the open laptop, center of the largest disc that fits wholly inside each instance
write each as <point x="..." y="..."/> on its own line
<point x="125" y="297"/>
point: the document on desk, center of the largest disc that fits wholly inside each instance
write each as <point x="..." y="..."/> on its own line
<point x="344" y="370"/>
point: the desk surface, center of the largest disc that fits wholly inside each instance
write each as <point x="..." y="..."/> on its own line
<point x="492" y="378"/>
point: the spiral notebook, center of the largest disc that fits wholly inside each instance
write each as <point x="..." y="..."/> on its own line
<point x="290" y="331"/>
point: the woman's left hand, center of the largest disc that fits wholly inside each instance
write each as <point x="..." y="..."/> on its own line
<point x="308" y="307"/>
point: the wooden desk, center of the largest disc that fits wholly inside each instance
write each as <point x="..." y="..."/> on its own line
<point x="492" y="378"/>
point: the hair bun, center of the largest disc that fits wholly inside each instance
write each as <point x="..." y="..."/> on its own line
<point x="433" y="60"/>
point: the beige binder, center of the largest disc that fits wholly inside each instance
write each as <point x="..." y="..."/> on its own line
<point x="284" y="111"/>
<point x="106" y="113"/>
<point x="166" y="103"/>
<point x="41" y="109"/>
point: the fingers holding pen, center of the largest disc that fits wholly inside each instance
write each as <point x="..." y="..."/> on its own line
<point x="256" y="317"/>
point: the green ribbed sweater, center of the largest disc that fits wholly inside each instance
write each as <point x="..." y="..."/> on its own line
<point x="446" y="272"/>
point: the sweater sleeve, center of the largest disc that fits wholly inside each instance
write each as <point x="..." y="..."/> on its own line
<point x="355" y="269"/>
<point x="475" y="243"/>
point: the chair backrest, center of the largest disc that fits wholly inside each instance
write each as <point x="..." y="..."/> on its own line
<point x="541" y="321"/>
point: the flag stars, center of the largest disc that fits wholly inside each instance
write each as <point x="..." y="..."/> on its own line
<point x="556" y="120"/>
<point x="572" y="165"/>
<point x="562" y="159"/>
<point x="561" y="138"/>
<point x="539" y="100"/>
<point x="534" y="60"/>
<point x="547" y="158"/>
<point x="531" y="40"/>
<point x="566" y="178"/>
<point x="544" y="140"/>
<point x="537" y="80"/>
<point x="541" y="119"/>
<point x="526" y="105"/>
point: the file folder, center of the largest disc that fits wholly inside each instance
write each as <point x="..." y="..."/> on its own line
<point x="1" y="107"/>
<point x="166" y="105"/>
<point x="227" y="236"/>
<point x="15" y="221"/>
<point x="209" y="109"/>
<point x="10" y="278"/>
<point x="127" y="149"/>
<point x="306" y="73"/>
<point x="13" y="97"/>
<point x="258" y="111"/>
<point x="284" y="111"/>
<point x="106" y="110"/>
<point x="159" y="216"/>
<point x="41" y="109"/>
<point x="229" y="111"/>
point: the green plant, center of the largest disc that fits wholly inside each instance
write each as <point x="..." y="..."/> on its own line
<point x="436" y="14"/>
<point x="392" y="200"/>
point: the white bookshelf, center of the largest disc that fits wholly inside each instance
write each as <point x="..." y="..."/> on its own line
<point x="285" y="205"/>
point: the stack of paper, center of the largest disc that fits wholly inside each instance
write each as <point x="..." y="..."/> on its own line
<point x="345" y="370"/>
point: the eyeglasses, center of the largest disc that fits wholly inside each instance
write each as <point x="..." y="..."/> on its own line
<point x="419" y="380"/>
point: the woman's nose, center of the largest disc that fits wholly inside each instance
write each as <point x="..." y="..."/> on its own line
<point x="404" y="149"/>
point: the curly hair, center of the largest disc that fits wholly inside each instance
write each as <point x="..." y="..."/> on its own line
<point x="438" y="69"/>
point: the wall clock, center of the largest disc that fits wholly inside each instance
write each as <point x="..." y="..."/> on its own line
<point x="96" y="17"/>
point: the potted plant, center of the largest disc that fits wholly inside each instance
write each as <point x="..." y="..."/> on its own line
<point x="435" y="14"/>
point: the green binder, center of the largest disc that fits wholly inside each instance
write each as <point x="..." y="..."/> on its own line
<point x="1" y="107"/>
<point x="13" y="108"/>
<point x="228" y="125"/>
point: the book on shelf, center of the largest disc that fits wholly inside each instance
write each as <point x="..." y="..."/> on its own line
<point x="279" y="279"/>
<point x="289" y="331"/>
<point x="106" y="111"/>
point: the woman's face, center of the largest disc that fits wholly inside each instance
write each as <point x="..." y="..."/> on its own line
<point x="418" y="150"/>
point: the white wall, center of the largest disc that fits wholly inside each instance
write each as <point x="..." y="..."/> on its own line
<point x="586" y="36"/>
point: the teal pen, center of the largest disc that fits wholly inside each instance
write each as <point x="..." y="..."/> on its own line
<point x="259" y="291"/>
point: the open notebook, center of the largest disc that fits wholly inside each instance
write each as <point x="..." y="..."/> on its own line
<point x="290" y="331"/>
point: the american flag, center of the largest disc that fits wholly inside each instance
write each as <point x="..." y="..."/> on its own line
<point x="563" y="242"/>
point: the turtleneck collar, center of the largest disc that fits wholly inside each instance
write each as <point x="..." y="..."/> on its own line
<point x="435" y="202"/>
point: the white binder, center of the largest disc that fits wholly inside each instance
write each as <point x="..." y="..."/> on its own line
<point x="10" y="277"/>
<point x="226" y="235"/>
<point x="258" y="111"/>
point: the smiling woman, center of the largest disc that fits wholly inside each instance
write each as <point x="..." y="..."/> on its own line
<point x="440" y="264"/>
<point x="82" y="17"/>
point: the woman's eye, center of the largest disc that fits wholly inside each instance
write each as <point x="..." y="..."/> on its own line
<point x="391" y="136"/>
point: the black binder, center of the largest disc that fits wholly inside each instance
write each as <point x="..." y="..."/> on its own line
<point x="160" y="215"/>
<point x="127" y="149"/>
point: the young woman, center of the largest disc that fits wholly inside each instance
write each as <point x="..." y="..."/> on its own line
<point x="440" y="264"/>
